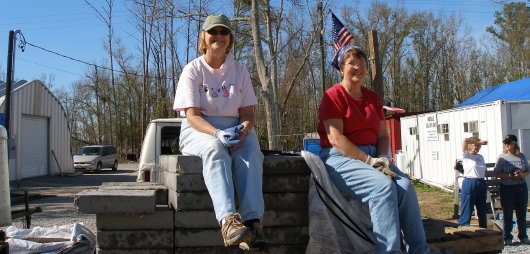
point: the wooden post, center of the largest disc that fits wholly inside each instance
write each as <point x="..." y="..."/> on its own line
<point x="375" y="64"/>
<point x="9" y="80"/>
<point x="321" y="41"/>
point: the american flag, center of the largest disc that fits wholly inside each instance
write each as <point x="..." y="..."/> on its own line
<point x="341" y="36"/>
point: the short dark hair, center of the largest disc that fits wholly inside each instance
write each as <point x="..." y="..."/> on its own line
<point x="355" y="51"/>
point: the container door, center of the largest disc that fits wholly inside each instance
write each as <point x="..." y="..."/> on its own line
<point x="34" y="147"/>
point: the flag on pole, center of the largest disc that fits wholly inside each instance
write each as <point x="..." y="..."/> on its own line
<point x="341" y="36"/>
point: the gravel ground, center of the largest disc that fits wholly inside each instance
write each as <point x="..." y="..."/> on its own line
<point x="55" y="195"/>
<point x="516" y="247"/>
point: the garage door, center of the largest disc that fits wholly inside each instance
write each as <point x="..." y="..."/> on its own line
<point x="34" y="147"/>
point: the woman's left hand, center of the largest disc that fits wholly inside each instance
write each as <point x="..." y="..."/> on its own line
<point x="242" y="136"/>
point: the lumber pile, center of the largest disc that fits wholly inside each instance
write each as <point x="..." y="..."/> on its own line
<point x="469" y="239"/>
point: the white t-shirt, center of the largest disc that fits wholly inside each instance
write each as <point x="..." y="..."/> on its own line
<point x="474" y="166"/>
<point x="217" y="92"/>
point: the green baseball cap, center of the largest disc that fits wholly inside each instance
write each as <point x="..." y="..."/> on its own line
<point x="216" y="20"/>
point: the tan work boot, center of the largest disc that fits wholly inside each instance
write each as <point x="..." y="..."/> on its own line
<point x="233" y="231"/>
<point x="258" y="237"/>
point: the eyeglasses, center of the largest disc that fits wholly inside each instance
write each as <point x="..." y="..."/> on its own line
<point x="223" y="31"/>
<point x="357" y="63"/>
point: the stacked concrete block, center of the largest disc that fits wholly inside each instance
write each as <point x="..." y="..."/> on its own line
<point x="285" y="187"/>
<point x="131" y="217"/>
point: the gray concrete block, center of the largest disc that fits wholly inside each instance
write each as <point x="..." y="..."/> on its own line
<point x="159" y="188"/>
<point x="275" y="164"/>
<point x="181" y="164"/>
<point x="190" y="201"/>
<point x="162" y="218"/>
<point x="184" y="182"/>
<point x="271" y="183"/>
<point x="275" y="249"/>
<point x="286" y="183"/>
<point x="115" y="201"/>
<point x="196" y="219"/>
<point x="212" y="237"/>
<point x="206" y="219"/>
<point x="142" y="239"/>
<point x="285" y="165"/>
<point x="273" y="201"/>
<point x="135" y="251"/>
<point x="132" y="185"/>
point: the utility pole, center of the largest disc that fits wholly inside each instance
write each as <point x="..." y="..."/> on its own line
<point x="322" y="56"/>
<point x="9" y="78"/>
<point x="377" y="78"/>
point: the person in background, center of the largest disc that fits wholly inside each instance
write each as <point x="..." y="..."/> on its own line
<point x="474" y="187"/>
<point x="354" y="142"/>
<point x="512" y="168"/>
<point x="215" y="94"/>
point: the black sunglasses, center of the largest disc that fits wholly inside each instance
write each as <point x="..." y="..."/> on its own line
<point x="223" y="32"/>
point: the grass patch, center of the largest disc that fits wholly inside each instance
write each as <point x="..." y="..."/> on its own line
<point x="434" y="203"/>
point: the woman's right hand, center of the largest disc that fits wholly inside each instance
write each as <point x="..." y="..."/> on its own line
<point x="382" y="164"/>
<point x="229" y="137"/>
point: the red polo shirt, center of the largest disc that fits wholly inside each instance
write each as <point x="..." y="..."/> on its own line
<point x="361" y="117"/>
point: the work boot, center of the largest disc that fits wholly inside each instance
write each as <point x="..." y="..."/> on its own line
<point x="258" y="238"/>
<point x="233" y="231"/>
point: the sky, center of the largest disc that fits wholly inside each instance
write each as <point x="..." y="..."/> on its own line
<point x="71" y="28"/>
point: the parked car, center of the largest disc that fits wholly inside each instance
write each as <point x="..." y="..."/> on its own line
<point x="161" y="138"/>
<point x="96" y="157"/>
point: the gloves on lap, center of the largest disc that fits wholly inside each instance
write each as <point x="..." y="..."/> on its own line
<point x="229" y="137"/>
<point x="382" y="164"/>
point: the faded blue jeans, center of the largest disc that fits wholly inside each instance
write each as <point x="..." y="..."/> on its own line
<point x="393" y="203"/>
<point x="226" y="171"/>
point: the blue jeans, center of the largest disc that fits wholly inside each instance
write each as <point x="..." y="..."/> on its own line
<point x="514" y="197"/>
<point x="225" y="170"/>
<point x="473" y="194"/>
<point x="393" y="203"/>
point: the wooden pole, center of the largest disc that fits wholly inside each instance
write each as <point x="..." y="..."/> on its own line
<point x="375" y="64"/>
<point x="321" y="41"/>
<point x="9" y="79"/>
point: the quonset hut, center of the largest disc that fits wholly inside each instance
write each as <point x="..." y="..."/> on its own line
<point x="39" y="135"/>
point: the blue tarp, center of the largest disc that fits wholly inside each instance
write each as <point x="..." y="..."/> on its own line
<point x="514" y="91"/>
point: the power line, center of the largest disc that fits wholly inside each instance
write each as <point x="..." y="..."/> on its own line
<point x="43" y="65"/>
<point x="24" y="43"/>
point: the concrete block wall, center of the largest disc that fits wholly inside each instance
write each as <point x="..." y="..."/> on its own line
<point x="130" y="217"/>
<point x="285" y="187"/>
<point x="176" y="216"/>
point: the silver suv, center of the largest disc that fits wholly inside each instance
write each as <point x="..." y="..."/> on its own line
<point x="96" y="157"/>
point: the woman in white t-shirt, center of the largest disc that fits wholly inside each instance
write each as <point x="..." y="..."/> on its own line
<point x="474" y="187"/>
<point x="215" y="94"/>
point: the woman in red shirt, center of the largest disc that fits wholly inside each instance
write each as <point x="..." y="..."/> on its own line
<point x="354" y="141"/>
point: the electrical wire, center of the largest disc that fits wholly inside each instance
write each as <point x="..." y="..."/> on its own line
<point x="23" y="44"/>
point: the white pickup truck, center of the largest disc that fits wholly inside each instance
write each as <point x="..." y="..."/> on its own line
<point x="161" y="138"/>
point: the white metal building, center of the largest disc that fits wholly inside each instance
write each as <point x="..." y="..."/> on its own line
<point x="431" y="142"/>
<point x="39" y="132"/>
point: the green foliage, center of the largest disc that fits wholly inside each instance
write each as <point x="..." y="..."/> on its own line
<point x="513" y="33"/>
<point x="513" y="23"/>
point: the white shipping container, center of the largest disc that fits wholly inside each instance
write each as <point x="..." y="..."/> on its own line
<point x="431" y="142"/>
